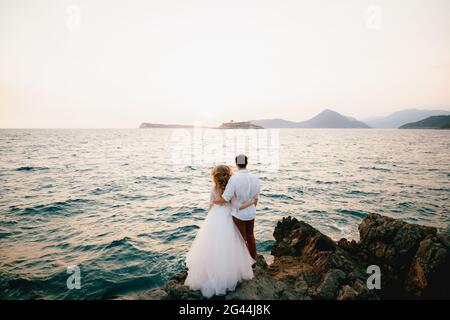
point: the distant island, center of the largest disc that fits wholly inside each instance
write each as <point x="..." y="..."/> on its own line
<point x="326" y="119"/>
<point x="331" y="119"/>
<point x="239" y="125"/>
<point x="402" y="117"/>
<point x="434" y="122"/>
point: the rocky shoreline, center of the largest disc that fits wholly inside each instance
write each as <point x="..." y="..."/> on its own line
<point x="414" y="262"/>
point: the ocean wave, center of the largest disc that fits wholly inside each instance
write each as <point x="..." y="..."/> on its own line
<point x="362" y="193"/>
<point x="132" y="197"/>
<point x="266" y="179"/>
<point x="426" y="211"/>
<point x="355" y="213"/>
<point x="264" y="246"/>
<point x="187" y="228"/>
<point x="141" y="179"/>
<point x="54" y="207"/>
<point x="318" y="212"/>
<point x="119" y="242"/>
<point x="88" y="247"/>
<point x="279" y="196"/>
<point x="6" y="234"/>
<point x="106" y="189"/>
<point x="180" y="232"/>
<point x="179" y="215"/>
<point x="23" y="287"/>
<point x="439" y="189"/>
<point x="198" y="210"/>
<point x="162" y="209"/>
<point x="299" y="190"/>
<point x="27" y="168"/>
<point x="133" y="284"/>
<point x="7" y="222"/>
<point x="180" y="211"/>
<point x="375" y="168"/>
<point x="326" y="182"/>
<point x="406" y="204"/>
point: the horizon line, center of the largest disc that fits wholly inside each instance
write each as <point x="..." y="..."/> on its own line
<point x="192" y="124"/>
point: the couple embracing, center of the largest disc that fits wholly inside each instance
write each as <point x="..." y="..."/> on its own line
<point x="224" y="250"/>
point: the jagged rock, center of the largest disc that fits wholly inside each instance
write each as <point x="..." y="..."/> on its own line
<point x="414" y="262"/>
<point x="347" y="293"/>
<point x="391" y="241"/>
<point x="178" y="291"/>
<point x="326" y="265"/>
<point x="429" y="271"/>
<point x="295" y="237"/>
<point x="331" y="282"/>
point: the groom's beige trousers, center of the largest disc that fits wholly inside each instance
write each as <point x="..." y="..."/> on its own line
<point x="246" y="230"/>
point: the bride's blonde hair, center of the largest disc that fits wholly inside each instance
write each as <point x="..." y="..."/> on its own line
<point x="220" y="175"/>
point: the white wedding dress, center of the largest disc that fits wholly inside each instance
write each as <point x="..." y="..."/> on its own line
<point x="218" y="258"/>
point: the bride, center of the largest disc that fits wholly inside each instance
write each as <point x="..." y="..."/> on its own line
<point x="218" y="258"/>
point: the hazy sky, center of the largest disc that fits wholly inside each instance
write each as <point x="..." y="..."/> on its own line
<point x="119" y="63"/>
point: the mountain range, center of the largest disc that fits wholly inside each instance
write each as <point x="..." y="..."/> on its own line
<point x="332" y="119"/>
<point x="402" y="117"/>
<point x="326" y="119"/>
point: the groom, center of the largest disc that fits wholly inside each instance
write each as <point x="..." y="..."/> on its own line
<point x="243" y="186"/>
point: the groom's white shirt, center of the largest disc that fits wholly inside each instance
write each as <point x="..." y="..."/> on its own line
<point x="241" y="187"/>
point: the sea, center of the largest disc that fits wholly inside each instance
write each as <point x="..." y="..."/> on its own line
<point x="122" y="206"/>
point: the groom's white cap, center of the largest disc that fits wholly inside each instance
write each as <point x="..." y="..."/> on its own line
<point x="240" y="159"/>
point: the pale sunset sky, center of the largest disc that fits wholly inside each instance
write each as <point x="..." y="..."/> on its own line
<point x="114" y="64"/>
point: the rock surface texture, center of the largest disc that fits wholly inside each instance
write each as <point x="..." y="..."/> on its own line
<point x="414" y="262"/>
